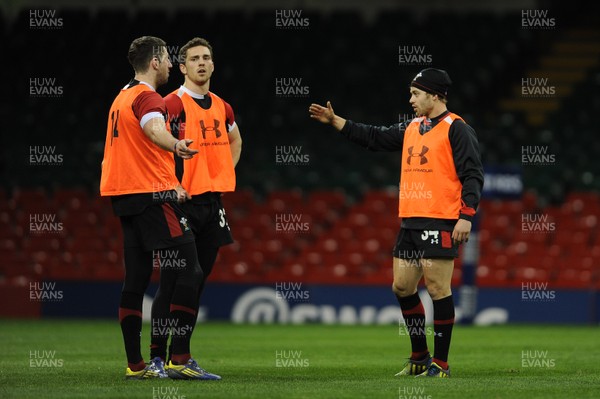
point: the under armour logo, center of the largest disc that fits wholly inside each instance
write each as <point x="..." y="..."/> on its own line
<point x="421" y="155"/>
<point x="214" y="128"/>
<point x="437" y="334"/>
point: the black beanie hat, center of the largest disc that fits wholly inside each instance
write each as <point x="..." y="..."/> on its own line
<point x="434" y="81"/>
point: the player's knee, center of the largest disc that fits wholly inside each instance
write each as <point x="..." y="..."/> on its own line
<point x="131" y="299"/>
<point x="136" y="287"/>
<point x="195" y="274"/>
<point x="191" y="277"/>
<point x="437" y="289"/>
<point x="401" y="289"/>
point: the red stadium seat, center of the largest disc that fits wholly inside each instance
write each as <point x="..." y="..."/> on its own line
<point x="358" y="219"/>
<point x="327" y="200"/>
<point x="574" y="278"/>
<point x="310" y="258"/>
<point x="9" y="244"/>
<point x="83" y="243"/>
<point x="71" y="199"/>
<point x="295" y="271"/>
<point x="41" y="243"/>
<point x="530" y="274"/>
<point x="385" y="202"/>
<point x="489" y="276"/>
<point x="286" y="201"/>
<point x="343" y="244"/>
<point x="27" y="196"/>
<point x="238" y="205"/>
<point x="15" y="264"/>
<point x="529" y="201"/>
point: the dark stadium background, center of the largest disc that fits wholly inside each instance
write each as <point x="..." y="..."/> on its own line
<point x="345" y="198"/>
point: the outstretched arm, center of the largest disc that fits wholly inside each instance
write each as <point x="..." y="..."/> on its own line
<point x="149" y="107"/>
<point x="157" y="132"/>
<point x="326" y="115"/>
<point x="375" y="138"/>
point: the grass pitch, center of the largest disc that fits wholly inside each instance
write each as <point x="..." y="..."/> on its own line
<point x="85" y="359"/>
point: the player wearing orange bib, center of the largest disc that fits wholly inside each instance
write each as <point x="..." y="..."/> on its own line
<point x="198" y="114"/>
<point x="441" y="179"/>
<point x="137" y="174"/>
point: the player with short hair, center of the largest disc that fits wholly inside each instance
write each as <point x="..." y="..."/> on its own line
<point x="137" y="174"/>
<point x="198" y="114"/>
<point x="440" y="187"/>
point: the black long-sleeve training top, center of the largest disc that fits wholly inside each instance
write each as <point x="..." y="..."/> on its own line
<point x="465" y="152"/>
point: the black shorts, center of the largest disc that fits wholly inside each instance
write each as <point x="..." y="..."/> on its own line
<point x="159" y="226"/>
<point x="208" y="220"/>
<point x="425" y="244"/>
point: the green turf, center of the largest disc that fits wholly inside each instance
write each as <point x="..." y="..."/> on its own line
<point x="336" y="362"/>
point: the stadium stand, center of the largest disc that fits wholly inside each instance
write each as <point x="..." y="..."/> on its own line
<point x="328" y="239"/>
<point x="343" y="194"/>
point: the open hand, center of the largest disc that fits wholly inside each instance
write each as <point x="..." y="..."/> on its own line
<point x="322" y="114"/>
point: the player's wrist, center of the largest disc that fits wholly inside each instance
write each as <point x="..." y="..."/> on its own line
<point x="338" y="123"/>
<point x="175" y="146"/>
<point x="463" y="216"/>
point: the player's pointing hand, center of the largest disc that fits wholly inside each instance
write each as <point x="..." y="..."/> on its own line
<point x="182" y="150"/>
